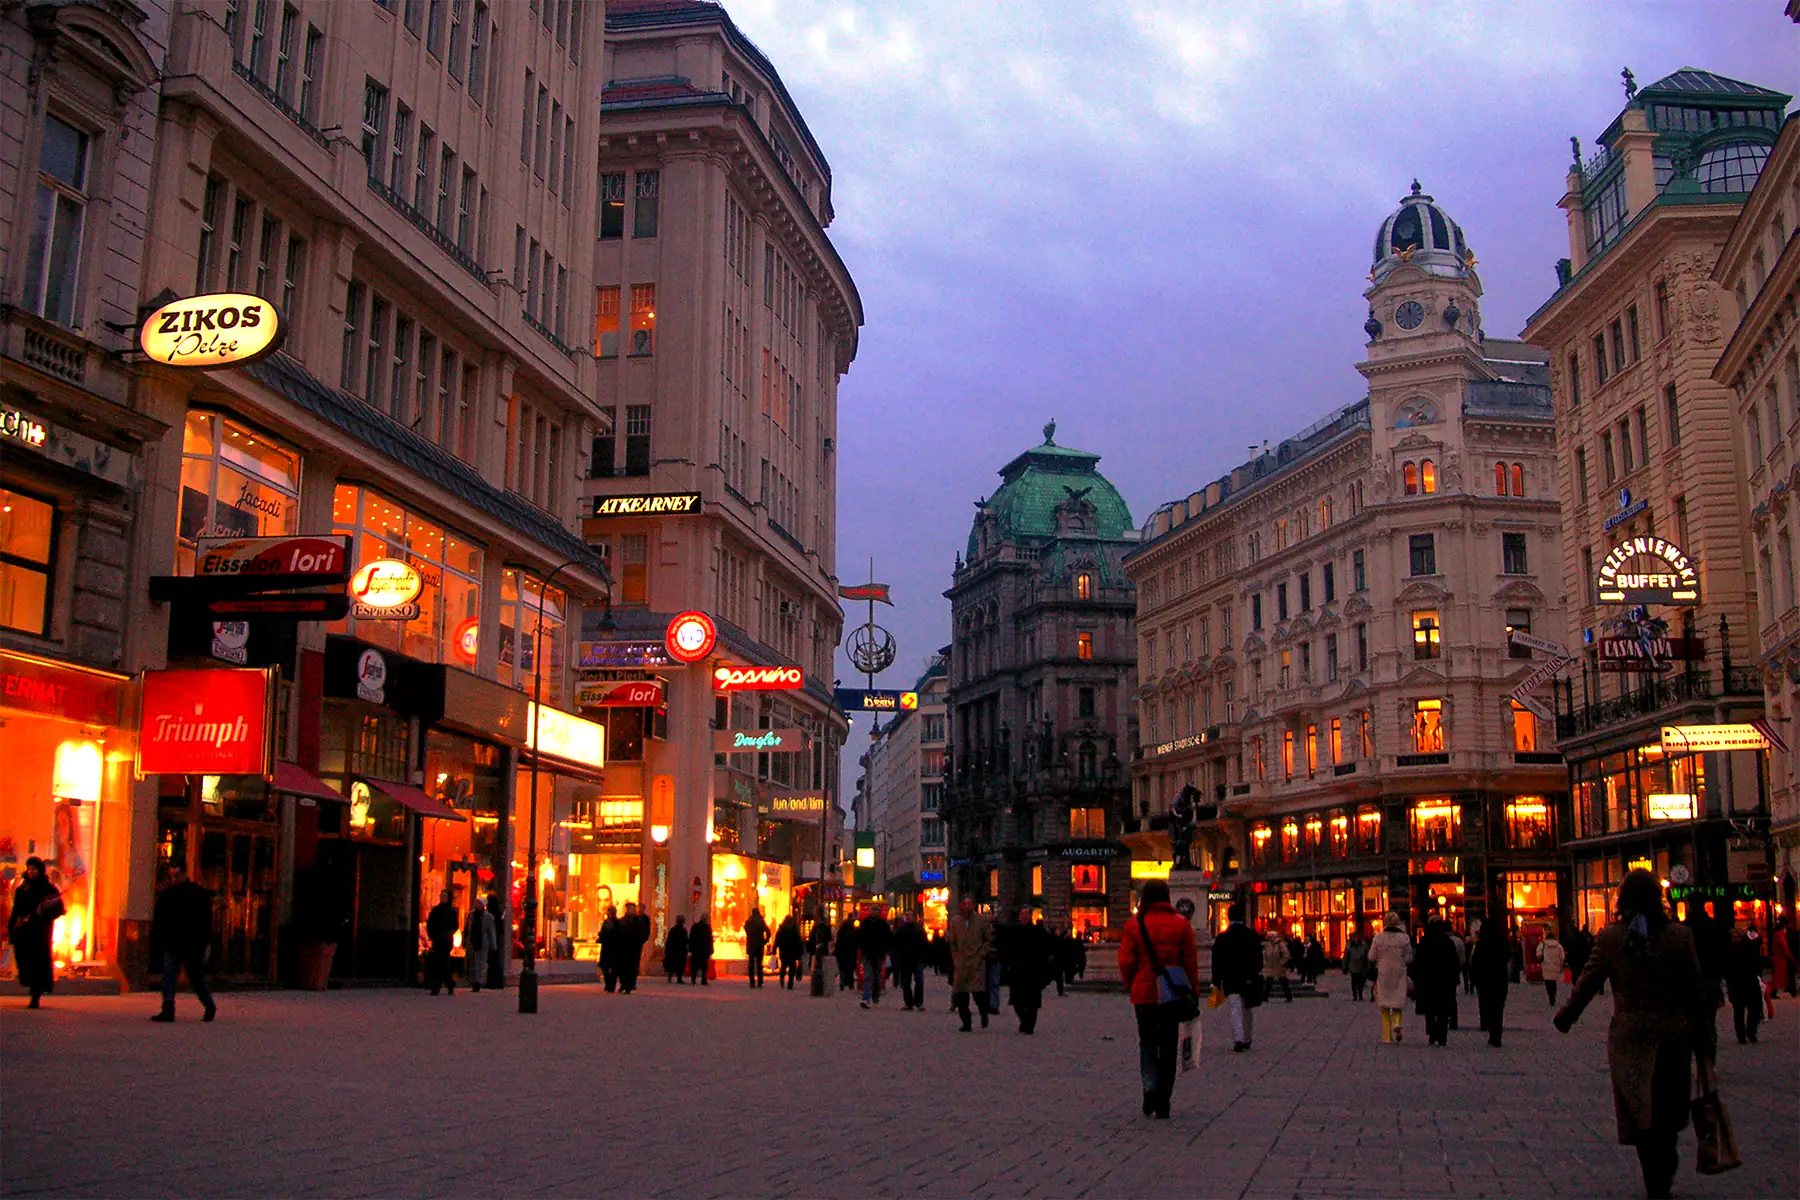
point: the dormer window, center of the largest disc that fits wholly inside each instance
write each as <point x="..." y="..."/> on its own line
<point x="1084" y="586"/>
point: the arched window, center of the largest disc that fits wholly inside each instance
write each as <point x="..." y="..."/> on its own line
<point x="1518" y="479"/>
<point x="1428" y="476"/>
<point x="1499" y="479"/>
<point x="1409" y="474"/>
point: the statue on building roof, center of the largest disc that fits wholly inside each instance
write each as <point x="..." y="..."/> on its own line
<point x="1050" y="432"/>
<point x="1630" y="83"/>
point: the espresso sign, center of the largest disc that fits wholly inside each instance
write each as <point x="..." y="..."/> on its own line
<point x="757" y="741"/>
<point x="1648" y="570"/>
<point x="386" y="590"/>
<point x="220" y="330"/>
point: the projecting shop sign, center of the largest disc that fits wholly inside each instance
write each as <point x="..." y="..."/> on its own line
<point x="757" y="741"/>
<point x="1648" y="570"/>
<point x="221" y="330"/>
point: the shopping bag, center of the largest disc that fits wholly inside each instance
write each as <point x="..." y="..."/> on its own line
<point x="1188" y="1057"/>
<point x="1717" y="1141"/>
<point x="1216" y="997"/>
<point x="712" y="968"/>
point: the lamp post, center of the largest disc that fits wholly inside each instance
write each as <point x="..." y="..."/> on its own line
<point x="528" y="980"/>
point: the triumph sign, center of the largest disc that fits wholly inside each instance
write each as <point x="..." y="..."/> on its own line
<point x="207" y="722"/>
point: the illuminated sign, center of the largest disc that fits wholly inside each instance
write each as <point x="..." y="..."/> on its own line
<point x="466" y="641"/>
<point x="758" y="679"/>
<point x="1671" y="806"/>
<point x="1629" y="654"/>
<point x="802" y="806"/>
<point x="1676" y="582"/>
<point x="660" y="504"/>
<point x="52" y="689"/>
<point x="757" y="741"/>
<point x="1184" y="743"/>
<point x="624" y="654"/>
<point x="865" y="858"/>
<point x="386" y="590"/>
<point x="635" y="693"/>
<point x="324" y="559"/>
<point x="566" y="736"/>
<point x="207" y="722"/>
<point x="15" y="424"/>
<point x="221" y="330"/>
<point x="1694" y="738"/>
<point x="691" y="637"/>
<point x="876" y="700"/>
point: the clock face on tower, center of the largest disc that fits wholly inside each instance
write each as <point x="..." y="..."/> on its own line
<point x="1408" y="315"/>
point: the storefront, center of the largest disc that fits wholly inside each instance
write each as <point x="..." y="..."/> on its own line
<point x="68" y="770"/>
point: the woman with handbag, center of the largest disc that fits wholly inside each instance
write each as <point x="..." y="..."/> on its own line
<point x="1160" y="966"/>
<point x="36" y="904"/>
<point x="1659" y="1023"/>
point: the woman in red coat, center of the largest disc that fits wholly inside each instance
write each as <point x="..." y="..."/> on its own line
<point x="1172" y="938"/>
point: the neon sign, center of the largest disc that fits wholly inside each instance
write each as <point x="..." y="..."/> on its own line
<point x="1677" y="583"/>
<point x="758" y="679"/>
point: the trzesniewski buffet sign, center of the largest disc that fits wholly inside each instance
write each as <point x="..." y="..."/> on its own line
<point x="1648" y="570"/>
<point x="226" y="329"/>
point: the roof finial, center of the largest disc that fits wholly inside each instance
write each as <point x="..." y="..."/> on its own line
<point x="1416" y="188"/>
<point x="1630" y="83"/>
<point x="1050" y="432"/>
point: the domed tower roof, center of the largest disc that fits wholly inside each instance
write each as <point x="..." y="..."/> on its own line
<point x="1420" y="234"/>
<point x="1041" y="480"/>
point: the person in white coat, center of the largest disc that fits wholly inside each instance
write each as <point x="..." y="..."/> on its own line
<point x="479" y="938"/>
<point x="1553" y="959"/>
<point x="1389" y="954"/>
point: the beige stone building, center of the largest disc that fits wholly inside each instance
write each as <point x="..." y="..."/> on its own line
<point x="902" y="800"/>
<point x="723" y="321"/>
<point x="1647" y="449"/>
<point x="1760" y="268"/>
<point x="1323" y="633"/>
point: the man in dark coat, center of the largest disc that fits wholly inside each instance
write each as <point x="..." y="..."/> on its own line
<point x="1237" y="971"/>
<point x="675" y="951"/>
<point x="874" y="938"/>
<point x="634" y="931"/>
<point x="1436" y="970"/>
<point x="180" y="933"/>
<point x="36" y="904"/>
<point x="700" y="950"/>
<point x="441" y="925"/>
<point x="910" y="950"/>
<point x="1487" y="968"/>
<point x="756" y="941"/>
<point x="610" y="944"/>
<point x="788" y="950"/>
<point x="497" y="952"/>
<point x="1029" y="952"/>
<point x="1744" y="984"/>
<point x="844" y="946"/>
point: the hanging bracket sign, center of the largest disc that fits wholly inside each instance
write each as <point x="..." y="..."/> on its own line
<point x="1648" y="570"/>
<point x="225" y="329"/>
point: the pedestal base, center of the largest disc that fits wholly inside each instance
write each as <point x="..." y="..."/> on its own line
<point x="1191" y="892"/>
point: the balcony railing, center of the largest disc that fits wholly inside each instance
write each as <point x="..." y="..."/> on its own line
<point x="280" y="102"/>
<point x="1656" y="694"/>
<point x="425" y="226"/>
<point x="549" y="335"/>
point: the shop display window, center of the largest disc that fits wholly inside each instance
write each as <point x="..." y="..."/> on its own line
<point x="1368" y="830"/>
<point x="1530" y="893"/>
<point x="468" y="775"/>
<point x="446" y="628"/>
<point x="1259" y="844"/>
<point x="1529" y="824"/>
<point x="1436" y="825"/>
<point x="1428" y="726"/>
<point x="1087" y="877"/>
<point x="521" y="595"/>
<point x="1290" y="840"/>
<point x="1339" y="826"/>
<point x="1313" y="833"/>
<point x="738" y="883"/>
<point x="27" y="543"/>
<point x="235" y="482"/>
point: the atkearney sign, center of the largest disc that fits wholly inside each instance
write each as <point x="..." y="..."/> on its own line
<point x="221" y="330"/>
<point x="757" y="741"/>
<point x="1673" y="581"/>
<point x="657" y="504"/>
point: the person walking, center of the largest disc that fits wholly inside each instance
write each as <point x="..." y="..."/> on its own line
<point x="1487" y="967"/>
<point x="1468" y="966"/>
<point x="1237" y="958"/>
<point x="634" y="931"/>
<point x="700" y="950"/>
<point x="819" y="948"/>
<point x="788" y="948"/>
<point x="675" y="951"/>
<point x="1552" y="958"/>
<point x="609" y="940"/>
<point x="1155" y="949"/>
<point x="1435" y="972"/>
<point x="477" y="935"/>
<point x="1659" y="1023"/>
<point x="1744" y="983"/>
<point x="36" y="905"/>
<point x="756" y="941"/>
<point x="1031" y="952"/>
<point x="874" y="940"/>
<point x="1389" y="954"/>
<point x="1275" y="966"/>
<point x="1462" y="968"/>
<point x="970" y="937"/>
<point x="910" y="951"/>
<point x="441" y="924"/>
<point x="1356" y="963"/>
<point x="1781" y="959"/>
<point x="1577" y="951"/>
<point x="844" y="946"/>
<point x="1315" y="961"/>
<point x="180" y="935"/>
<point x="496" y="977"/>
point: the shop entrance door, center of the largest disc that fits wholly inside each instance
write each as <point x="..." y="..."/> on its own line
<point x="239" y="870"/>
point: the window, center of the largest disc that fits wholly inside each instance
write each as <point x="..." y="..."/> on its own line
<point x="1528" y="824"/>
<point x="292" y="269"/>
<point x="1255" y="611"/>
<point x="1260" y="834"/>
<point x="568" y="157"/>
<point x="1436" y="825"/>
<point x="1337" y="824"/>
<point x="525" y="134"/>
<point x="27" y="541"/>
<point x="1426" y="634"/>
<point x="1581" y="473"/>
<point x="1281" y="603"/>
<point x="1518" y="620"/>
<point x="478" y="52"/>
<point x="258" y="60"/>
<point x="235" y="482"/>
<point x="1329" y="580"/>
<point x="1618" y="347"/>
<point x="541" y="134"/>
<point x="434" y="27"/>
<point x="1524" y="729"/>
<point x="606" y="322"/>
<point x="1423" y="551"/>
<point x="465" y="212"/>
<point x="309" y="73"/>
<point x="1358" y="578"/>
<point x="445" y="190"/>
<point x="637" y="439"/>
<point x="1409" y="474"/>
<point x="643" y="318"/>
<point x="53" y="266"/>
<point x="458" y="39"/>
<point x="1606" y="458"/>
<point x="1499" y="479"/>
<point x="1087" y="823"/>
<point x="1753" y="427"/>
<point x="1331" y="657"/>
<point x="644" y="204"/>
<point x="634" y="569"/>
<point x="1286" y="675"/>
<point x="1312" y="762"/>
<point x="1362" y="647"/>
<point x="421" y="192"/>
<point x="1368" y="830"/>
<point x="523" y="599"/>
<point x="235" y="248"/>
<point x="1428" y="477"/>
<point x="1287" y="767"/>
<point x="1601" y="373"/>
<point x="1084" y="586"/>
<point x="1627" y="462"/>
<point x="1306" y="592"/>
<point x="1518" y="475"/>
<point x="1290" y="838"/>
<point x="1084" y="702"/>
<point x="371" y="373"/>
<point x="284" y="52"/>
<point x="210" y="203"/>
<point x="1337" y="739"/>
<point x="1631" y="332"/>
<point x="1428" y="726"/>
<point x="1512" y="554"/>
<point x="1084" y="645"/>
<point x="1574" y="381"/>
<point x="374" y="127"/>
<point x="1365" y="733"/>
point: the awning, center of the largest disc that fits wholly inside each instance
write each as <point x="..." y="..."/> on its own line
<point x="408" y="796"/>
<point x="297" y="781"/>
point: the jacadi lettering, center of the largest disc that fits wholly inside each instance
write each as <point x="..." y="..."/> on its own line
<point x="211" y="331"/>
<point x="177" y="731"/>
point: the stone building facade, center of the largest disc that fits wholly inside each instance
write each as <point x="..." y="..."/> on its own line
<point x="1042" y="673"/>
<point x="903" y="797"/>
<point x="1648" y="449"/>
<point x="1324" y="634"/>
<point x="1760" y="268"/>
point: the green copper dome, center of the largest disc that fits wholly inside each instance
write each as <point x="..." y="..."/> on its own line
<point x="1046" y="476"/>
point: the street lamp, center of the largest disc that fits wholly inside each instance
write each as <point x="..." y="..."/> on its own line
<point x="528" y="980"/>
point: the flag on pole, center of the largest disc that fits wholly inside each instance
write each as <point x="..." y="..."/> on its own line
<point x="865" y="591"/>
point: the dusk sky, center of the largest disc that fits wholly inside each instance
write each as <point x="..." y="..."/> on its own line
<point x="1152" y="222"/>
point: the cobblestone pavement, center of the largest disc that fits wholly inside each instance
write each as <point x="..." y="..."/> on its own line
<point x="727" y="1092"/>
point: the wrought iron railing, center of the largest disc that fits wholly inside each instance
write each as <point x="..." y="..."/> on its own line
<point x="425" y="225"/>
<point x="280" y="102"/>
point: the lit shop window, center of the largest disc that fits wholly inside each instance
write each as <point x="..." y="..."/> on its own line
<point x="235" y="482"/>
<point x="1340" y="833"/>
<point x="1368" y="830"/>
<point x="1528" y="824"/>
<point x="1524" y="729"/>
<point x="1436" y="824"/>
<point x="1428" y="726"/>
<point x="606" y="322"/>
<point x="1259" y="844"/>
<point x="1290" y="840"/>
<point x="446" y="628"/>
<point x="521" y="596"/>
<point x="27" y="534"/>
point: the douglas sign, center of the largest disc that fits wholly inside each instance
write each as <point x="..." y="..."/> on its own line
<point x="221" y="330"/>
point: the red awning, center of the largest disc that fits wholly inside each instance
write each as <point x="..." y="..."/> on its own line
<point x="297" y="781"/>
<point x="411" y="797"/>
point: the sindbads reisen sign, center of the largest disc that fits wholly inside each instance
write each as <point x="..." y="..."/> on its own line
<point x="223" y="329"/>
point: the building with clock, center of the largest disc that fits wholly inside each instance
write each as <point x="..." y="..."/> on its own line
<point x="1039" y="700"/>
<point x="1324" y="634"/>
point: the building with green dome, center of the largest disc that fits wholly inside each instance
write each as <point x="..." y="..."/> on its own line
<point x="1042" y="676"/>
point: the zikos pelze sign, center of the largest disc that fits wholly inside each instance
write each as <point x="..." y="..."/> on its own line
<point x="220" y="330"/>
<point x="207" y="722"/>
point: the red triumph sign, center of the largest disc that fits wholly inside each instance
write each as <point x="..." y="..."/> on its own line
<point x="207" y="722"/>
<point x="691" y="637"/>
<point x="635" y="693"/>
<point x="758" y="679"/>
<point x="326" y="559"/>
